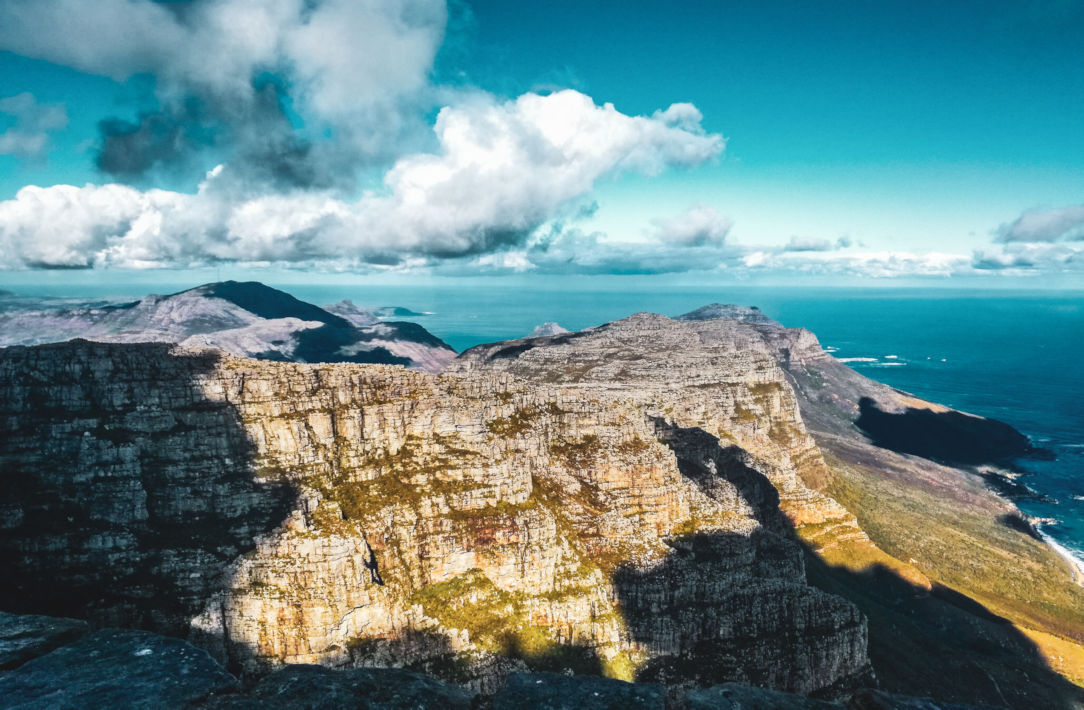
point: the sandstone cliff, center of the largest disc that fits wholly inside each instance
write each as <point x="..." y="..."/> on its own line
<point x="343" y="514"/>
<point x="644" y="499"/>
<point x="962" y="598"/>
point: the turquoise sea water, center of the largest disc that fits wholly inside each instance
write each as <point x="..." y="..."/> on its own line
<point x="1015" y="356"/>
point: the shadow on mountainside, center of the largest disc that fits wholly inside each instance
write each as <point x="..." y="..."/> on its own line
<point x="944" y="644"/>
<point x="435" y="655"/>
<point x="728" y="607"/>
<point x="127" y="492"/>
<point x="948" y="436"/>
<point x="937" y="643"/>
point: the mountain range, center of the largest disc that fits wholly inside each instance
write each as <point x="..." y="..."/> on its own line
<point x="247" y="319"/>
<point x="706" y="505"/>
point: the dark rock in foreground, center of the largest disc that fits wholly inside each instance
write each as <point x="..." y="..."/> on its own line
<point x="317" y="688"/>
<point x="551" y="691"/>
<point x="880" y="700"/>
<point x="25" y="636"/>
<point x="116" y="668"/>
<point x="732" y="696"/>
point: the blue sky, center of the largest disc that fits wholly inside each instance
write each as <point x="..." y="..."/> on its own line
<point x="863" y="140"/>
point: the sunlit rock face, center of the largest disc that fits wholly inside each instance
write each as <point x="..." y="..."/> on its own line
<point x="619" y="501"/>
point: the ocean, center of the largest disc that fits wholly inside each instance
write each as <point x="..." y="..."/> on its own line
<point x="1011" y="355"/>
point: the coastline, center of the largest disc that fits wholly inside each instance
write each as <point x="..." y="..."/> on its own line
<point x="1076" y="564"/>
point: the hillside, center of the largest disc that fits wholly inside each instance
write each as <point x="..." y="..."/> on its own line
<point x="246" y="319"/>
<point x="681" y="502"/>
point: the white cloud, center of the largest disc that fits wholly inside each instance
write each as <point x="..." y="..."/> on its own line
<point x="1045" y="225"/>
<point x="874" y="264"/>
<point x="33" y="122"/>
<point x="698" y="226"/>
<point x="796" y="243"/>
<point x="502" y="169"/>
<point x="1024" y="259"/>
<point x="358" y="68"/>
<point x="348" y="53"/>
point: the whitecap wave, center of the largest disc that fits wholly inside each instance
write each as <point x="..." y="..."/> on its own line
<point x="857" y="359"/>
<point x="1073" y="557"/>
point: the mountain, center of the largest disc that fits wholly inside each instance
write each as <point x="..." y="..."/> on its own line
<point x="950" y="567"/>
<point x="720" y="311"/>
<point x="358" y="316"/>
<point x="679" y="502"/>
<point x="247" y="319"/>
<point x="548" y="328"/>
<point x="396" y="312"/>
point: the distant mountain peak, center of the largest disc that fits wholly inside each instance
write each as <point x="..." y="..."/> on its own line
<point x="358" y="316"/>
<point x="547" y="328"/>
<point x="728" y="311"/>
<point x="266" y="302"/>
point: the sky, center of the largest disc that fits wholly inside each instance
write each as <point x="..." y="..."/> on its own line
<point x="842" y="143"/>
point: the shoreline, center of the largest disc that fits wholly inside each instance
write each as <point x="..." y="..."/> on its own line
<point x="1076" y="564"/>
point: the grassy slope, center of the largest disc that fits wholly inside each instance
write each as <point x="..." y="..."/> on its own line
<point x="997" y="610"/>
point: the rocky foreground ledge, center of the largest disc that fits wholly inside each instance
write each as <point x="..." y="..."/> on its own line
<point x="60" y="663"/>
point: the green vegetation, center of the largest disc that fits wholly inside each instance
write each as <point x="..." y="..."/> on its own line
<point x="814" y="378"/>
<point x="965" y="549"/>
<point x="747" y="416"/>
<point x="633" y="447"/>
<point x="498" y="622"/>
<point x="765" y="389"/>
<point x="576" y="454"/>
<point x="516" y="424"/>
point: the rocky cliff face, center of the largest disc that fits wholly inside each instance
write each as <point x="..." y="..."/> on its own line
<point x="466" y="523"/>
<point x="643" y="499"/>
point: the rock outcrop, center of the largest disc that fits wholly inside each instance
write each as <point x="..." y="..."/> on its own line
<point x="547" y="328"/>
<point x="26" y="636"/>
<point x="116" y="668"/>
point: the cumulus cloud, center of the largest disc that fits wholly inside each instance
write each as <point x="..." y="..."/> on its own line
<point x="698" y="226"/>
<point x="1045" y="225"/>
<point x="1030" y="258"/>
<point x="299" y="99"/>
<point x="501" y="169"/>
<point x="225" y="70"/>
<point x="33" y="122"/>
<point x="796" y="243"/>
<point x="555" y="248"/>
<point x="873" y="264"/>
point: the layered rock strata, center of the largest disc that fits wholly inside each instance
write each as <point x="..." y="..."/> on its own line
<point x="468" y="524"/>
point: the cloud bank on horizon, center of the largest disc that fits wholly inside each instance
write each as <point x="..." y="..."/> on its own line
<point x="317" y="115"/>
